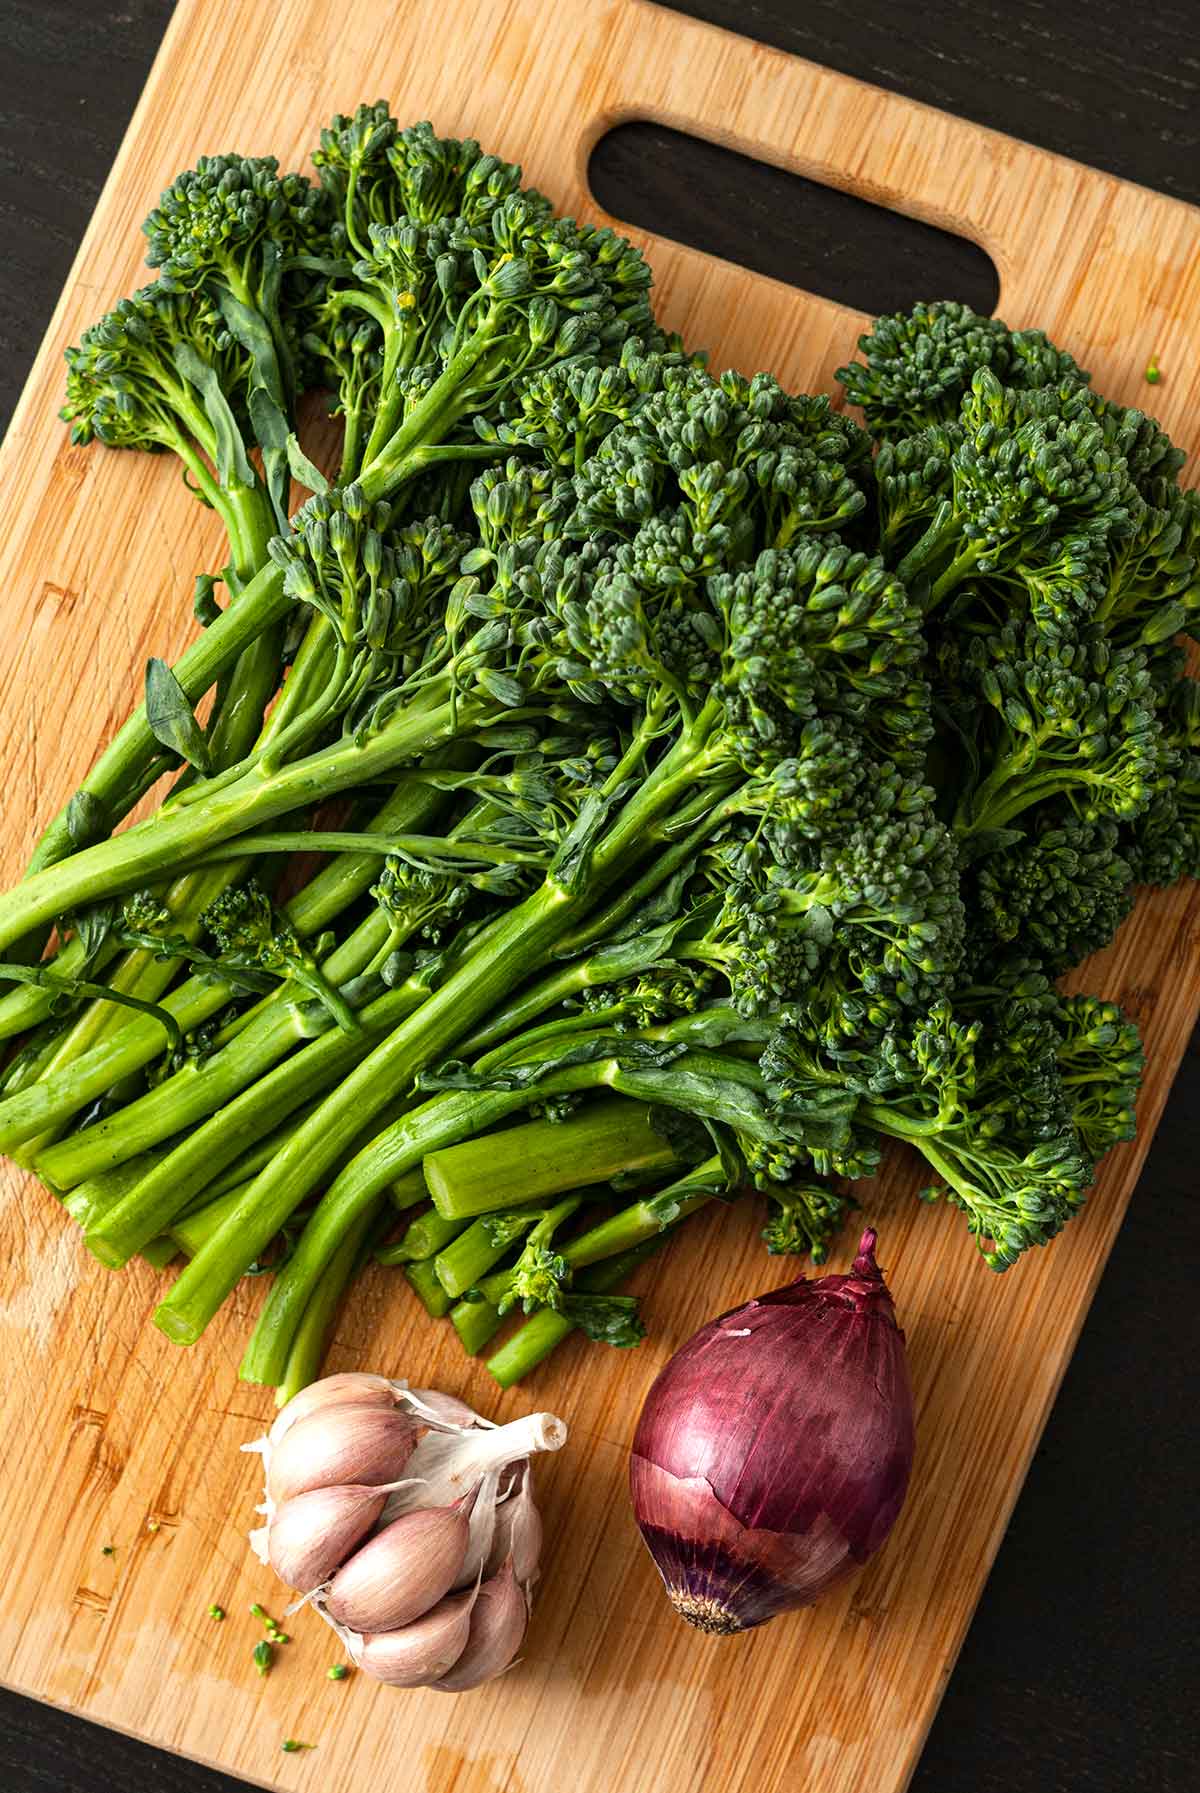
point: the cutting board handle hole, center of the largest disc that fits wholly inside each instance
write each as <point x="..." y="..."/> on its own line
<point x="777" y="223"/>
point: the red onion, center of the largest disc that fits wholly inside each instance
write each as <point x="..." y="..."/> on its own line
<point x="773" y="1452"/>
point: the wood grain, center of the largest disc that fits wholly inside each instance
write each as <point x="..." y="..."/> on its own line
<point x="110" y="1432"/>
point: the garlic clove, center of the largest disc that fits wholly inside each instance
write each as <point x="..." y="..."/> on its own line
<point x="401" y="1572"/>
<point x="498" y="1622"/>
<point x="517" y="1533"/>
<point x="352" y="1387"/>
<point x="312" y="1534"/>
<point x="341" y="1445"/>
<point x="420" y="1653"/>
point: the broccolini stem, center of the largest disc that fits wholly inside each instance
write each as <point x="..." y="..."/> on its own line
<point x="158" y="1253"/>
<point x="544" y="1331"/>
<point x="644" y="1220"/>
<point x="387" y="463"/>
<point x="441" y="1121"/>
<point x="193" y="1230"/>
<point x="35" y="1107"/>
<point x="424" y="1281"/>
<point x="541" y="1158"/>
<point x="312" y="1334"/>
<point x="244" y="692"/>
<point x="437" y="1122"/>
<point x="322" y="1142"/>
<point x="140" y="973"/>
<point x="480" y="1247"/>
<point x="504" y="952"/>
<point x="88" y="1201"/>
<point x="943" y="528"/>
<point x="429" y="846"/>
<point x="499" y="1286"/>
<point x="144" y="852"/>
<point x="661" y="868"/>
<point x="133" y="760"/>
<point x="424" y="1237"/>
<point x="152" y="1206"/>
<point x="476" y="1323"/>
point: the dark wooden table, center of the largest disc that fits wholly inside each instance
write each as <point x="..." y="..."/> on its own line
<point x="1077" y="1670"/>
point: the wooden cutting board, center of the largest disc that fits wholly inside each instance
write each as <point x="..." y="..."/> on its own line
<point x="112" y="1437"/>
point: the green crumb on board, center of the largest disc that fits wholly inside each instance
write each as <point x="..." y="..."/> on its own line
<point x="1153" y="371"/>
<point x="290" y="1746"/>
<point x="338" y="1672"/>
<point x="264" y="1656"/>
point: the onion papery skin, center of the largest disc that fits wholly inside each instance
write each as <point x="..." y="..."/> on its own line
<point x="774" y="1450"/>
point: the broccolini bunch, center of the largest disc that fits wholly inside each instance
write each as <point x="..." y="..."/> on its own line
<point x="625" y="787"/>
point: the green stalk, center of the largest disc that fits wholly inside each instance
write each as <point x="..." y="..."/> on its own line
<point x="313" y="1333"/>
<point x="702" y="1084"/>
<point x="501" y="957"/>
<point x="158" y="1253"/>
<point x="56" y="1098"/>
<point x="143" y="853"/>
<point x="478" y="1320"/>
<point x="247" y="1166"/>
<point x="188" y="1096"/>
<point x="196" y="1227"/>
<point x="942" y="529"/>
<point x="644" y="1220"/>
<point x="423" y="1278"/>
<point x="133" y="760"/>
<point x="87" y="1202"/>
<point x="476" y="1323"/>
<point x="257" y="1042"/>
<point x="408" y="1190"/>
<point x="389" y="463"/>
<point x="324" y="1140"/>
<point x="441" y="1120"/>
<point x="543" y="1332"/>
<point x="140" y="974"/>
<point x="147" y="974"/>
<point x="192" y="1231"/>
<point x="461" y="1265"/>
<point x="542" y="1158"/>
<point x="152" y="1206"/>
<point x="424" y="1237"/>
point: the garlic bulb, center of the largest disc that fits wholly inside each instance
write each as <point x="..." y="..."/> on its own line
<point x="408" y="1522"/>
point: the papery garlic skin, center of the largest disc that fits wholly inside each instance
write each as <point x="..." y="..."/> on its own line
<point x="447" y="1408"/>
<point x="517" y="1533"/>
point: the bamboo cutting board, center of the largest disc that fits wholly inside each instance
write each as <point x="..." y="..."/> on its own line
<point x="111" y="1436"/>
